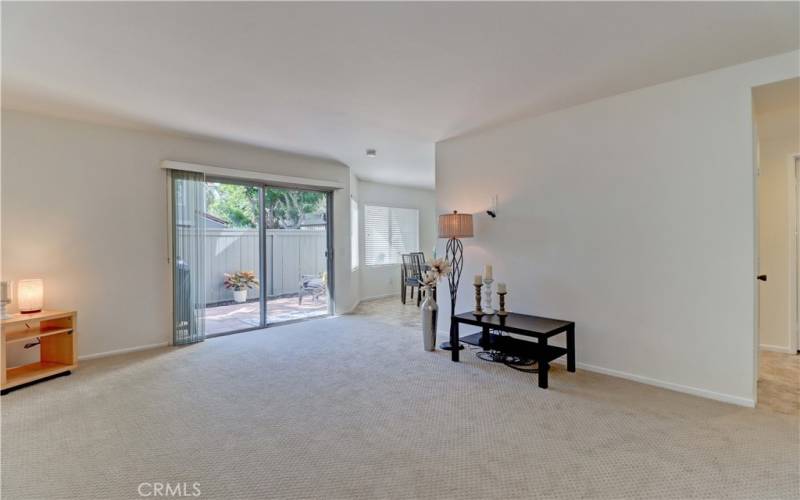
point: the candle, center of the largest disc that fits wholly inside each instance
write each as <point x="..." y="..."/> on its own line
<point x="487" y="271"/>
<point x="4" y="291"/>
<point x="501" y="288"/>
<point x="478" y="279"/>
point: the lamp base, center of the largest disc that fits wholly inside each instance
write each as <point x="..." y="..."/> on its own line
<point x="445" y="346"/>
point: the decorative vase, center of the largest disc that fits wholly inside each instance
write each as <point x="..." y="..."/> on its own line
<point x="240" y="296"/>
<point x="430" y="310"/>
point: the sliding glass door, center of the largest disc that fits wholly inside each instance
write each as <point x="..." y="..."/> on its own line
<point x="297" y="250"/>
<point x="233" y="254"/>
<point x="267" y="255"/>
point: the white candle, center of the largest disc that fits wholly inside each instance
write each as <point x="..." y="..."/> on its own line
<point x="487" y="271"/>
<point x="478" y="279"/>
<point x="501" y="288"/>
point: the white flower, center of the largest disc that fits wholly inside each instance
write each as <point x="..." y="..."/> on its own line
<point x="440" y="268"/>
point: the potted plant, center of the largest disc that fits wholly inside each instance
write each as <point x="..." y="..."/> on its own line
<point x="240" y="282"/>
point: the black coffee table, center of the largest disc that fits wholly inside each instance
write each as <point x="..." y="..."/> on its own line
<point x="522" y="324"/>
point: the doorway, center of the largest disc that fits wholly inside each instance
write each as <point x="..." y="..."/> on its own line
<point x="777" y="140"/>
<point x="268" y="258"/>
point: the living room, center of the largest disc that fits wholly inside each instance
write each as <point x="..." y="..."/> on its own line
<point x="240" y="242"/>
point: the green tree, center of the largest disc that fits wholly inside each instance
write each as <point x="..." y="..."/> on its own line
<point x="284" y="208"/>
<point x="288" y="208"/>
<point x="234" y="203"/>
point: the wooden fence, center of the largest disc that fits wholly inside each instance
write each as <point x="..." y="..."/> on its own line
<point x="290" y="254"/>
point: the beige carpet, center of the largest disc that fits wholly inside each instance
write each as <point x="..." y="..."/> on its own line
<point x="354" y="408"/>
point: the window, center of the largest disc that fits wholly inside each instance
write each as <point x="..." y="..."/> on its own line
<point x="353" y="234"/>
<point x="389" y="232"/>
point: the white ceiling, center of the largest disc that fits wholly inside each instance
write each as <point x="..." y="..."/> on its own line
<point x="334" y="79"/>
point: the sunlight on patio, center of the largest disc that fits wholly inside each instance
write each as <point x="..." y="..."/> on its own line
<point x="232" y="317"/>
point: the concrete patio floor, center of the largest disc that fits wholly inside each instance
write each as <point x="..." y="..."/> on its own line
<point x="232" y="317"/>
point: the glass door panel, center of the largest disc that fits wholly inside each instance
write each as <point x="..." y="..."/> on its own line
<point x="233" y="257"/>
<point x="296" y="240"/>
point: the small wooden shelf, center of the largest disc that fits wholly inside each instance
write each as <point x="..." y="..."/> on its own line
<point x="33" y="333"/>
<point x="34" y="371"/>
<point x="57" y="333"/>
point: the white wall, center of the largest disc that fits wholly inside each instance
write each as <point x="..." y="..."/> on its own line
<point x="633" y="216"/>
<point x="355" y="274"/>
<point x="379" y="281"/>
<point x="84" y="207"/>
<point x="777" y="118"/>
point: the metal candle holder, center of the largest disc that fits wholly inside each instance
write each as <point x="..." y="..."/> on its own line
<point x="487" y="295"/>
<point x="502" y="297"/>
<point x="478" y="311"/>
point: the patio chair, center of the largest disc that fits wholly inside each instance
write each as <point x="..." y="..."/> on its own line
<point x="311" y="285"/>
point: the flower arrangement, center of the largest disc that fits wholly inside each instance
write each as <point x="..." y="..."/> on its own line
<point x="439" y="268"/>
<point x="241" y="281"/>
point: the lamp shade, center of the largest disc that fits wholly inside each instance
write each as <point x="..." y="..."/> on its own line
<point x="455" y="225"/>
<point x="30" y="295"/>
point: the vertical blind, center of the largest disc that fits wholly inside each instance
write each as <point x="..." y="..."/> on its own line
<point x="389" y="232"/>
<point x="353" y="234"/>
<point x="188" y="256"/>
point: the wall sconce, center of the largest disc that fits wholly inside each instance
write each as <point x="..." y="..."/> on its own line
<point x="493" y="207"/>
<point x="30" y="295"/>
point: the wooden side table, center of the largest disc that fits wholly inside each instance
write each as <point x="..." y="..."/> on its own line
<point x="57" y="333"/>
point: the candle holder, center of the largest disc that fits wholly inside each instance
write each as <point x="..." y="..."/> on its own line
<point x="487" y="295"/>
<point x="502" y="300"/>
<point x="478" y="311"/>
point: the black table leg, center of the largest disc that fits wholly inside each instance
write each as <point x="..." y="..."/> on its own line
<point x="485" y="342"/>
<point x="454" y="339"/>
<point x="571" y="348"/>
<point x="544" y="365"/>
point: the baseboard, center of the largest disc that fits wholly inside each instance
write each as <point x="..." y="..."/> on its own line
<point x="367" y="299"/>
<point x="378" y="297"/>
<point x="686" y="389"/>
<point x="122" y="351"/>
<point x="776" y="348"/>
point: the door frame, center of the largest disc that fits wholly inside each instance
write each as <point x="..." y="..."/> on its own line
<point x="794" y="265"/>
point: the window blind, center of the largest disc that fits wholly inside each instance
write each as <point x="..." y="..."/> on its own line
<point x="353" y="234"/>
<point x="389" y="232"/>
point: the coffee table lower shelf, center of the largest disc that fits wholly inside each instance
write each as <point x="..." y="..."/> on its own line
<point x="515" y="347"/>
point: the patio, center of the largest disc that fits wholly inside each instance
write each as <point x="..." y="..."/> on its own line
<point x="232" y="317"/>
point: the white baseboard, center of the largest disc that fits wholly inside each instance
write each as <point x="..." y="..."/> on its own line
<point x="694" y="391"/>
<point x="686" y="389"/>
<point x="122" y="351"/>
<point x="776" y="348"/>
<point x="378" y="297"/>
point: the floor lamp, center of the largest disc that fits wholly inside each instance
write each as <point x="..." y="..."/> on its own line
<point x="454" y="227"/>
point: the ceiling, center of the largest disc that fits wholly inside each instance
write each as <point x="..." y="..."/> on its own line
<point x="333" y="79"/>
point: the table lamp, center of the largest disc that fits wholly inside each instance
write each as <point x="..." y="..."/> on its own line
<point x="454" y="226"/>
<point x="30" y="295"/>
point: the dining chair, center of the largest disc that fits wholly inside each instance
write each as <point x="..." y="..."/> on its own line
<point x="411" y="275"/>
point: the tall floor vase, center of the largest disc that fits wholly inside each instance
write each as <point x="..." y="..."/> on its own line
<point x="430" y="311"/>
